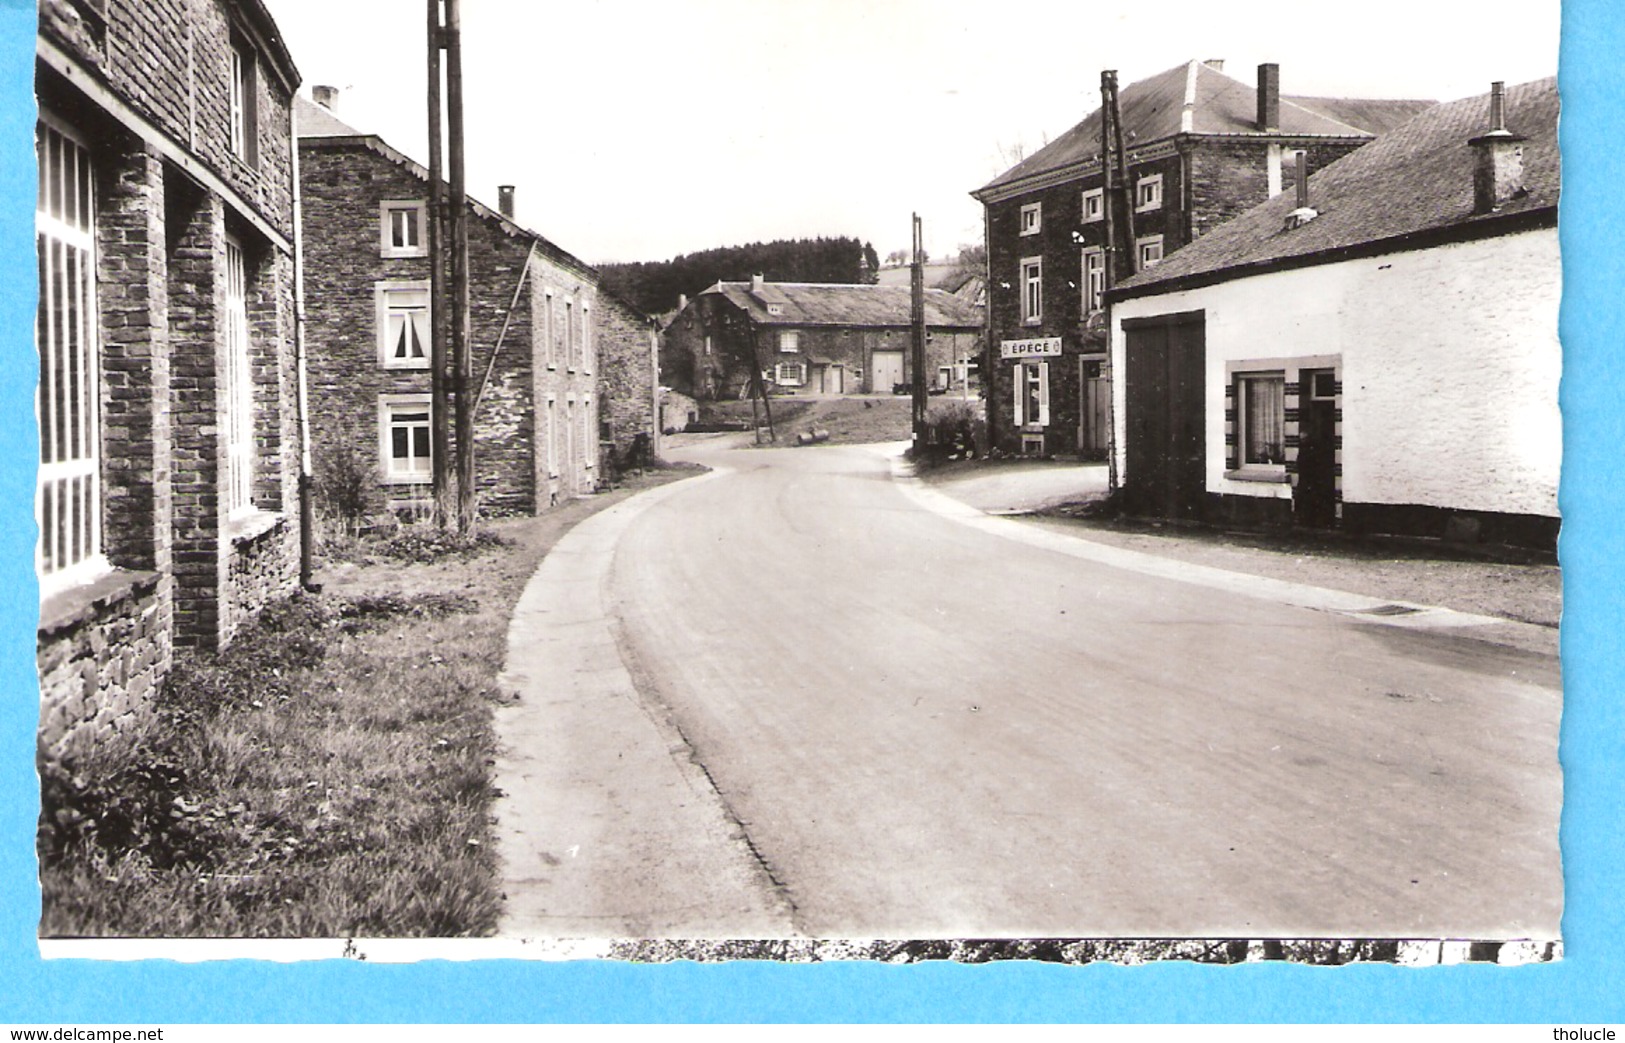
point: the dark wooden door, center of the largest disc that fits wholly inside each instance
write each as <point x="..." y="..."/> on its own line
<point x="1314" y="501"/>
<point x="1165" y="390"/>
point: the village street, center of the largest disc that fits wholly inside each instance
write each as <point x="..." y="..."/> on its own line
<point x="839" y="712"/>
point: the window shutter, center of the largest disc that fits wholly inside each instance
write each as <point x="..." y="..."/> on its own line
<point x="1018" y="373"/>
<point x="1043" y="393"/>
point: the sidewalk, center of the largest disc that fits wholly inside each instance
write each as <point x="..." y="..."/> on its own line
<point x="1519" y="603"/>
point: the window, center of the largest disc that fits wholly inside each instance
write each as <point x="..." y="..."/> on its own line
<point x="547" y="328"/>
<point x="790" y="373"/>
<point x="241" y="104"/>
<point x="552" y="437"/>
<point x="67" y="502"/>
<point x="238" y="386"/>
<point x="403" y="422"/>
<point x="1260" y="419"/>
<point x="401" y="228"/>
<point x="586" y="338"/>
<point x="1032" y="290"/>
<point x="1150" y="251"/>
<point x="789" y="340"/>
<point x="1031" y="218"/>
<point x="1032" y="393"/>
<point x="1094" y="279"/>
<point x="1148" y="192"/>
<point x="1094" y="204"/>
<point x="403" y="325"/>
<point x="570" y="335"/>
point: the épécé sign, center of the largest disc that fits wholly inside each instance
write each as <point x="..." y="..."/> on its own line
<point x="1025" y="349"/>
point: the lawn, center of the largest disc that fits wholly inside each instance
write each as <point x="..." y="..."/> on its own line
<point x="328" y="775"/>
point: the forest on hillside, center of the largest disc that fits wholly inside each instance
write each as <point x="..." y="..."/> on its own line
<point x="653" y="286"/>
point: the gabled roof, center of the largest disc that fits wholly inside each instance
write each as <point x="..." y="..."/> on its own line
<point x="317" y="121"/>
<point x="845" y="304"/>
<point x="1410" y="183"/>
<point x="1196" y="98"/>
<point x="319" y="128"/>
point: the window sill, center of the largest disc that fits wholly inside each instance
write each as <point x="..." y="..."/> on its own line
<point x="251" y="525"/>
<point x="1267" y="474"/>
<point x="67" y="609"/>
<point x="403" y="255"/>
<point x="407" y="367"/>
<point x="408" y="479"/>
<point x="1032" y="322"/>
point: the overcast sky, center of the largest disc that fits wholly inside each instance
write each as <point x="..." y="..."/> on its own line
<point x="636" y="130"/>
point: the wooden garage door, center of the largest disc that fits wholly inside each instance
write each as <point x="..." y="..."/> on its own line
<point x="1165" y="393"/>
<point x="888" y="371"/>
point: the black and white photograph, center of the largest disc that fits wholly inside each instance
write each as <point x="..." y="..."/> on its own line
<point x="884" y="481"/>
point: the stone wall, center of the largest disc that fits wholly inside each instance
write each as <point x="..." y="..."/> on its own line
<point x="626" y="374"/>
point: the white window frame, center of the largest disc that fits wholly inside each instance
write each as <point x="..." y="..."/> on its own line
<point x="1093" y="205"/>
<point x="781" y="369"/>
<point x="789" y="340"/>
<point x="1032" y="291"/>
<point x="1148" y="193"/>
<point x="589" y="437"/>
<point x="70" y="482"/>
<point x="1149" y="250"/>
<point x="400" y="412"/>
<point x="549" y="328"/>
<point x="1025" y="376"/>
<point x="1241" y="382"/>
<point x="387" y="209"/>
<point x="1092" y="278"/>
<point x="238" y="385"/>
<point x="384" y="294"/>
<point x="1032" y="218"/>
<point x="552" y="438"/>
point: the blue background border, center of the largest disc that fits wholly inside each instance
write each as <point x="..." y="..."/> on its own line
<point x="1589" y="986"/>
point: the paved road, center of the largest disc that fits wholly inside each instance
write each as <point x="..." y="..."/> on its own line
<point x="911" y="727"/>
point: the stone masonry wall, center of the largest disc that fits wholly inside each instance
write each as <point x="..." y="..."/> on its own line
<point x="626" y="373"/>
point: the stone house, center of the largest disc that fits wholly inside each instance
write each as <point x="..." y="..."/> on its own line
<point x="167" y="497"/>
<point x="367" y="323"/>
<point x="1378" y="355"/>
<point x="815" y="338"/>
<point x="628" y="369"/>
<point x="1201" y="148"/>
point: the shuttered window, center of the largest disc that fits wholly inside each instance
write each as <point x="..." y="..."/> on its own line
<point x="68" y="493"/>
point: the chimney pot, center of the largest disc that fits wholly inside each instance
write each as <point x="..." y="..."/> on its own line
<point x="326" y="96"/>
<point x="682" y="302"/>
<point x="1269" y="96"/>
<point x="1498" y="158"/>
<point x="505" y="200"/>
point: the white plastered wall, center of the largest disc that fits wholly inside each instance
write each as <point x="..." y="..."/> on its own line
<point x="1449" y="359"/>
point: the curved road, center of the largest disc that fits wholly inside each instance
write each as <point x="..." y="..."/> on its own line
<point x="915" y="728"/>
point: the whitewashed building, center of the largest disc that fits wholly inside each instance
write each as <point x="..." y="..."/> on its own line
<point x="1378" y="352"/>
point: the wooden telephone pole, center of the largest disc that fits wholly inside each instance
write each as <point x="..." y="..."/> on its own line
<point x="439" y="409"/>
<point x="449" y="369"/>
<point x="917" y="322"/>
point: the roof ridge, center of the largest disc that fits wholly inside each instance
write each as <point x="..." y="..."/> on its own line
<point x="1285" y="100"/>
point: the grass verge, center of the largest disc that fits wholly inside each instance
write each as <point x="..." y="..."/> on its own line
<point x="327" y="775"/>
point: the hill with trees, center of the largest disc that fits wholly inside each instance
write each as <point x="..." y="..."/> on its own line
<point x="654" y="286"/>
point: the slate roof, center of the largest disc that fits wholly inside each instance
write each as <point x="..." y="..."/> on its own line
<point x="319" y="128"/>
<point x="1412" y="181"/>
<point x="316" y="121"/>
<point x="845" y="304"/>
<point x="1154" y="109"/>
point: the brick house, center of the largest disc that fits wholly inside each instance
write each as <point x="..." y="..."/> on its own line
<point x="1202" y="147"/>
<point x="167" y="497"/>
<point x="1381" y="355"/>
<point x="367" y="323"/>
<point x="815" y="338"/>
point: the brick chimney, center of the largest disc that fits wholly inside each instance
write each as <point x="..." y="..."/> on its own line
<point x="505" y="200"/>
<point x="1498" y="158"/>
<point x="1269" y="97"/>
<point x="325" y="96"/>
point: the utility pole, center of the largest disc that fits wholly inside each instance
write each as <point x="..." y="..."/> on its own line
<point x="917" y="282"/>
<point x="439" y="311"/>
<point x="461" y="356"/>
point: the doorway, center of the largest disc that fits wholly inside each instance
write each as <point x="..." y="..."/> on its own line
<point x="1165" y="388"/>
<point x="1314" y="498"/>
